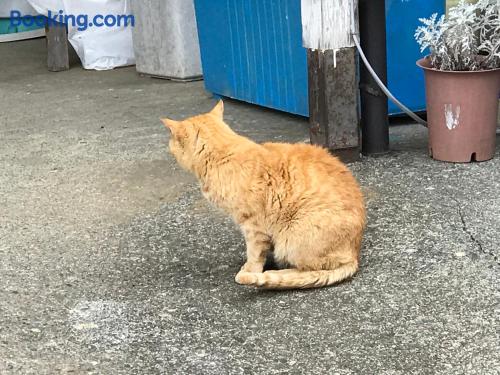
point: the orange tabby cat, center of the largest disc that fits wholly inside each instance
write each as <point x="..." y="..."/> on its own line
<point x="296" y="200"/>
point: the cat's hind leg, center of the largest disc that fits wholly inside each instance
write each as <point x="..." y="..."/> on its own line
<point x="311" y="268"/>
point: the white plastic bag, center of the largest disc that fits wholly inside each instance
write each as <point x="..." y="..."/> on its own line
<point x="6" y="6"/>
<point x="99" y="48"/>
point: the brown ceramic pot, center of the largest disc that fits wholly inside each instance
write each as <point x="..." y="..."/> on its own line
<point x="462" y="110"/>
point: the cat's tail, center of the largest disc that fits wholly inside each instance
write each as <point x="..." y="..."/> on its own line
<point x="295" y="279"/>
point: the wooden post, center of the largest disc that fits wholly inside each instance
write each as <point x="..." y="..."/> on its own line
<point x="57" y="47"/>
<point x="333" y="102"/>
<point x="333" y="89"/>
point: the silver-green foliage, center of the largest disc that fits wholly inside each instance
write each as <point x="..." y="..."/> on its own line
<point x="468" y="39"/>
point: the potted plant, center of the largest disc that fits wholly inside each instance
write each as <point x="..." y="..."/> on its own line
<point x="462" y="74"/>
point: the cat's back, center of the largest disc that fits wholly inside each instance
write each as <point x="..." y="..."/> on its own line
<point x="309" y="160"/>
<point x="312" y="175"/>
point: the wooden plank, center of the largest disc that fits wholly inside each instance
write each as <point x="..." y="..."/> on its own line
<point x="333" y="101"/>
<point x="57" y="47"/>
<point x="318" y="115"/>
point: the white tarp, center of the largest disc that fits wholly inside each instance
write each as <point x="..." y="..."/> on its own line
<point x="6" y="6"/>
<point x="99" y="48"/>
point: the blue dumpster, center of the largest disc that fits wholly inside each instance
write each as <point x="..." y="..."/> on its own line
<point x="252" y="51"/>
<point x="405" y="79"/>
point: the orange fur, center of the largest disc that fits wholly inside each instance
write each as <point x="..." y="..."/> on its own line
<point x="296" y="200"/>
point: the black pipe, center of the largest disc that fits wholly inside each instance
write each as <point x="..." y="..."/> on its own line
<point x="374" y="103"/>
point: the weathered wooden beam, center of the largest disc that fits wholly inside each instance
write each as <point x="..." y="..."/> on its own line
<point x="57" y="47"/>
<point x="333" y="102"/>
<point x="327" y="28"/>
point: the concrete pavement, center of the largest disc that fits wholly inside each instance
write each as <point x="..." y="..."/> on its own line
<point x="112" y="263"/>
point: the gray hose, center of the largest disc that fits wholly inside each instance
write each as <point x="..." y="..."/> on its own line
<point x="383" y="87"/>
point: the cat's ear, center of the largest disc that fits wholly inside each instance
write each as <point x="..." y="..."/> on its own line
<point x="218" y="110"/>
<point x="170" y="124"/>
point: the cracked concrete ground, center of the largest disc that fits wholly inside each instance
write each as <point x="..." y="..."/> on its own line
<point x="112" y="263"/>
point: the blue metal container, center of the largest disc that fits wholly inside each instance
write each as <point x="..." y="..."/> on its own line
<point x="405" y="79"/>
<point x="252" y="50"/>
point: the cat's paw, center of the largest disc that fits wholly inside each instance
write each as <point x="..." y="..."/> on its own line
<point x="246" y="278"/>
<point x="252" y="268"/>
